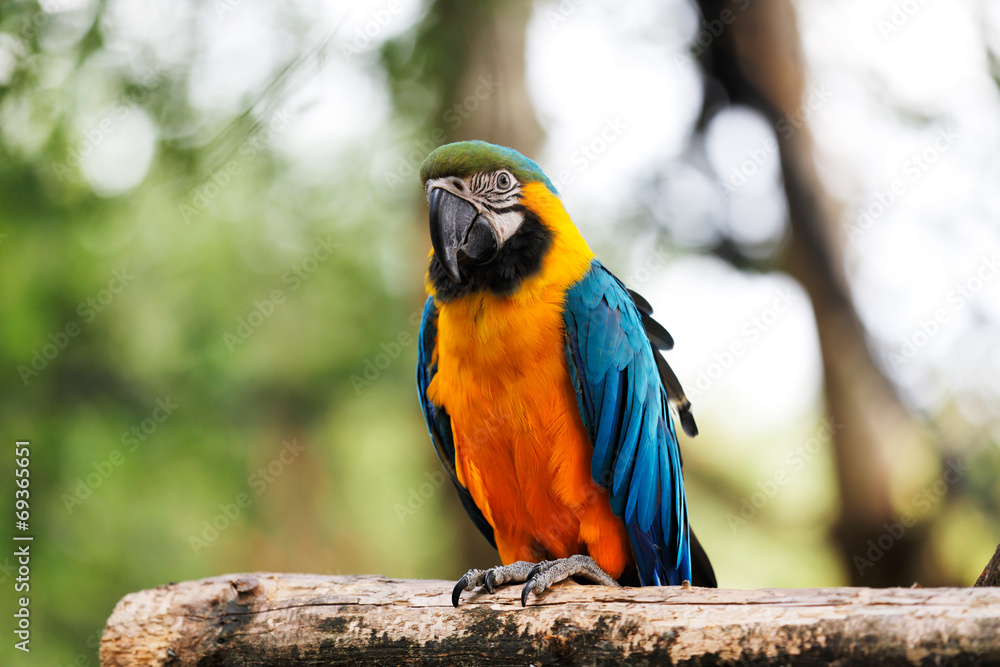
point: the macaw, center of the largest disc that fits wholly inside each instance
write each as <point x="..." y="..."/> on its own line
<point x="543" y="394"/>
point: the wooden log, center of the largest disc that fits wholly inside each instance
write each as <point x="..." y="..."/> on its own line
<point x="291" y="619"/>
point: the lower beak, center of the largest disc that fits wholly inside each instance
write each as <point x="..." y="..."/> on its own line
<point x="458" y="234"/>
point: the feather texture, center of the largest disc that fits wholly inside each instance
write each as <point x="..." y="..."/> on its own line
<point x="438" y="420"/>
<point x="624" y="407"/>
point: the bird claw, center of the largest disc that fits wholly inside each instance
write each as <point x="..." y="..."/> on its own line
<point x="489" y="581"/>
<point x="470" y="579"/>
<point x="456" y="592"/>
<point x="550" y="572"/>
<point x="536" y="577"/>
<point x="528" y="587"/>
<point x="491" y="578"/>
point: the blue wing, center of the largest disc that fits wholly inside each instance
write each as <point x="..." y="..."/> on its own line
<point x="624" y="407"/>
<point x="438" y="421"/>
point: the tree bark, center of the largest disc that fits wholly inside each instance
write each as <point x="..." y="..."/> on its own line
<point x="991" y="573"/>
<point x="269" y="619"/>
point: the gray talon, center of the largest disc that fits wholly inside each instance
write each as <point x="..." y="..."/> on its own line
<point x="471" y="579"/>
<point x="549" y="572"/>
<point x="496" y="576"/>
<point x="536" y="577"/>
<point x="457" y="591"/>
<point x="528" y="587"/>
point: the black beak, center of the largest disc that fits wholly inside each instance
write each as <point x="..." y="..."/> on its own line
<point x="458" y="234"/>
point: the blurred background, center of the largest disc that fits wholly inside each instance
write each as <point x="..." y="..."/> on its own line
<point x="213" y="242"/>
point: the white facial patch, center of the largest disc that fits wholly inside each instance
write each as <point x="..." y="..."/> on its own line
<point x="505" y="224"/>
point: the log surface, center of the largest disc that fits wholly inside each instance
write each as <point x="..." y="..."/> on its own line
<point x="291" y="619"/>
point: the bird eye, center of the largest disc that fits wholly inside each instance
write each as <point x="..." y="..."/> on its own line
<point x="503" y="180"/>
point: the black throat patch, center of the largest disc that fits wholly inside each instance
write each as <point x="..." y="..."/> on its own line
<point x="519" y="258"/>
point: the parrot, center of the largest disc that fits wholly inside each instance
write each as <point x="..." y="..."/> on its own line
<point x="544" y="390"/>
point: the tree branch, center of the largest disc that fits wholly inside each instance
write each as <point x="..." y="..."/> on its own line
<point x="991" y="573"/>
<point x="757" y="61"/>
<point x="267" y="619"/>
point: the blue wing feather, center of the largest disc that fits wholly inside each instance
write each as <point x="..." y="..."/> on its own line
<point x="627" y="445"/>
<point x="624" y="407"/>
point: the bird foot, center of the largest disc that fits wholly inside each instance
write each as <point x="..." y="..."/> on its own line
<point x="550" y="572"/>
<point x="515" y="573"/>
<point x="536" y="576"/>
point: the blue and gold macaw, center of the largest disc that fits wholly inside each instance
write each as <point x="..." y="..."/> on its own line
<point x="543" y="390"/>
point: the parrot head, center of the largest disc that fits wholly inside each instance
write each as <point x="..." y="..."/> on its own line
<point x="487" y="217"/>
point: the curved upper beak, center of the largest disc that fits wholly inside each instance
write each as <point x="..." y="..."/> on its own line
<point x="458" y="233"/>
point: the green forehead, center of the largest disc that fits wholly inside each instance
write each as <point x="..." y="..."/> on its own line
<point x="466" y="158"/>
